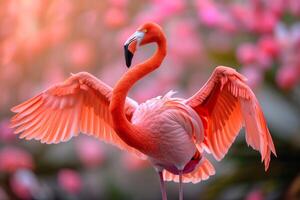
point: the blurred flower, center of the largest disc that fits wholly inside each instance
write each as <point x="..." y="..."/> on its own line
<point x="14" y="158"/>
<point x="6" y="133"/>
<point x="214" y="14"/>
<point x="269" y="46"/>
<point x="90" y="151"/>
<point x="287" y="77"/>
<point x="169" y="7"/>
<point x="255" y="16"/>
<point x="191" y="47"/>
<point x="264" y="22"/>
<point x="208" y="13"/>
<point x="294" y="6"/>
<point x="24" y="184"/>
<point x="69" y="180"/>
<point x="246" y="53"/>
<point x="255" y="195"/>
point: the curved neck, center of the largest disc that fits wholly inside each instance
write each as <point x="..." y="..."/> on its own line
<point x="127" y="131"/>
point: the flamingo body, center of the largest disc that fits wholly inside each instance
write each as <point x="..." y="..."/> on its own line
<point x="173" y="134"/>
<point x="175" y="127"/>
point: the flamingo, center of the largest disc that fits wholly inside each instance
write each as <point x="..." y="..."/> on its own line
<point x="174" y="134"/>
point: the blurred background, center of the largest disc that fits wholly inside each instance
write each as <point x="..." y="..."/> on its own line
<point x="42" y="42"/>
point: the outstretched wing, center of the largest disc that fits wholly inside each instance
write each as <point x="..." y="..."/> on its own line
<point x="80" y="104"/>
<point x="226" y="104"/>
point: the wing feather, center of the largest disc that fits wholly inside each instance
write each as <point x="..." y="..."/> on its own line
<point x="80" y="104"/>
<point x="228" y="104"/>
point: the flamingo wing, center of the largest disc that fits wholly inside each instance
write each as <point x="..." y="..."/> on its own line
<point x="226" y="104"/>
<point x="80" y="104"/>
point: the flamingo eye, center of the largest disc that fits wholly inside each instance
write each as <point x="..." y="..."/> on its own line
<point x="145" y="30"/>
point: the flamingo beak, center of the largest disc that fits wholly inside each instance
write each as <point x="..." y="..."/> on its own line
<point x="130" y="46"/>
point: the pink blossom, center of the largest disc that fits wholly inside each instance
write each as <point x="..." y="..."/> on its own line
<point x="191" y="47"/>
<point x="269" y="46"/>
<point x="294" y="6"/>
<point x="250" y="54"/>
<point x="265" y="22"/>
<point x="241" y="14"/>
<point x="287" y="77"/>
<point x="13" y="158"/>
<point x="70" y="180"/>
<point x="255" y="17"/>
<point x="246" y="53"/>
<point x="255" y="195"/>
<point x="90" y="151"/>
<point x="208" y="13"/>
<point x="277" y="7"/>
<point x="24" y="184"/>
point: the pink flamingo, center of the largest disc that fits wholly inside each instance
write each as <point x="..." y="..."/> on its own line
<point x="172" y="133"/>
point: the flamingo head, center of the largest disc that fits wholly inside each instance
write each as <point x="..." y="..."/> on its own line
<point x="145" y="34"/>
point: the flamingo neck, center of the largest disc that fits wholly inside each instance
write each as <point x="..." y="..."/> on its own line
<point x="124" y="128"/>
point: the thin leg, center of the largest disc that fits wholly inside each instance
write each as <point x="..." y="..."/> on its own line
<point x="162" y="186"/>
<point x="180" y="186"/>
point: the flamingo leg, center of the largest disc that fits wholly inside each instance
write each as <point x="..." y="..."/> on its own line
<point x="180" y="186"/>
<point x="162" y="186"/>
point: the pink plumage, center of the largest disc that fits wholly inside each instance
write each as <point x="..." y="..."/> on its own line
<point x="172" y="133"/>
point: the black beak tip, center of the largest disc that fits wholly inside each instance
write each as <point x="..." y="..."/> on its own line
<point x="128" y="56"/>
